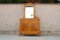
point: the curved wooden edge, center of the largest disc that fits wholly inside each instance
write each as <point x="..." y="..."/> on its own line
<point x="29" y="4"/>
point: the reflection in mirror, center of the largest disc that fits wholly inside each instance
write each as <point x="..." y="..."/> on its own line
<point x="29" y="12"/>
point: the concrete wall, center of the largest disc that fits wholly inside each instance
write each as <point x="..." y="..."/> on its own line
<point x="9" y="16"/>
<point x="49" y="17"/>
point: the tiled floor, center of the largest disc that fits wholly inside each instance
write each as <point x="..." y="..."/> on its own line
<point x="17" y="37"/>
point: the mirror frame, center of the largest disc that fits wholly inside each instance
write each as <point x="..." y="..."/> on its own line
<point x="31" y="5"/>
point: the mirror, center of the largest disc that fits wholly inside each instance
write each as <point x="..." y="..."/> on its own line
<point x="29" y="12"/>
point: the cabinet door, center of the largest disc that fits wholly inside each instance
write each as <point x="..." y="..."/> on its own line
<point x="25" y="26"/>
<point x="35" y="25"/>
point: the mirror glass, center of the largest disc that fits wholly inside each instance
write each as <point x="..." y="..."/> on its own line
<point x="29" y="12"/>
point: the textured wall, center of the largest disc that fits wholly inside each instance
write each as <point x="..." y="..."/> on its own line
<point x="49" y="15"/>
<point x="9" y="16"/>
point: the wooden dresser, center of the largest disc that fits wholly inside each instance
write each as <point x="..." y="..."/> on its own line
<point x="30" y="26"/>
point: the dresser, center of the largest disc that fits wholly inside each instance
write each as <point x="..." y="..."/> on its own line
<point x="30" y="26"/>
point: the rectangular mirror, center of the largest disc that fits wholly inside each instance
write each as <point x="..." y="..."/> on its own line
<point x="29" y="12"/>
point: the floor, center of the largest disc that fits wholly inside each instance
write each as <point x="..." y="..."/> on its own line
<point x="17" y="37"/>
